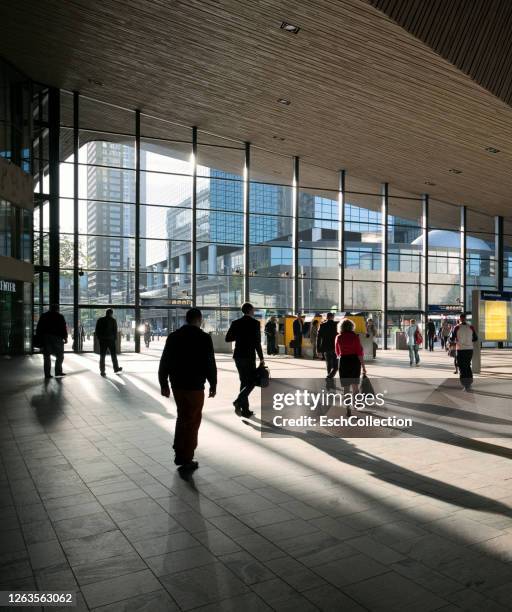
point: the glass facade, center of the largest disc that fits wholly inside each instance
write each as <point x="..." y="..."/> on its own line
<point x="154" y="217"/>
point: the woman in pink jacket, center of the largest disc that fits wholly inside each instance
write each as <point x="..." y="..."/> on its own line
<point x="351" y="356"/>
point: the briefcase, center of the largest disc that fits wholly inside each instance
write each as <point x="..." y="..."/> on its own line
<point x="262" y="376"/>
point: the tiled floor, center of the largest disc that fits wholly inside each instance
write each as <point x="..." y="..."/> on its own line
<point x="90" y="502"/>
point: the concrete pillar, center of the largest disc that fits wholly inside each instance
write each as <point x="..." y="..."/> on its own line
<point x="212" y="259"/>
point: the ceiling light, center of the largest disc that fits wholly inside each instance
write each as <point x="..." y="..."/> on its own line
<point x="455" y="171"/>
<point x="492" y="150"/>
<point x="284" y="101"/>
<point x="289" y="27"/>
<point x="430" y="183"/>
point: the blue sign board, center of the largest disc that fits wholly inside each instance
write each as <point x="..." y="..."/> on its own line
<point x="496" y="296"/>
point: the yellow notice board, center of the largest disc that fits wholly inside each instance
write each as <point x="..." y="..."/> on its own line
<point x="495" y="320"/>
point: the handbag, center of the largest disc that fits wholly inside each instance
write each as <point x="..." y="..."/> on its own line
<point x="366" y="386"/>
<point x="262" y="378"/>
<point x="418" y="338"/>
<point x="292" y="343"/>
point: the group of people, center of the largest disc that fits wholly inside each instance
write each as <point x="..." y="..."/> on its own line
<point x="443" y="334"/>
<point x="316" y="338"/>
<point x="188" y="360"/>
<point x="457" y="341"/>
<point x="52" y="334"/>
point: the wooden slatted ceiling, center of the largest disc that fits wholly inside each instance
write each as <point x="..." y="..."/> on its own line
<point x="365" y="94"/>
<point x="473" y="35"/>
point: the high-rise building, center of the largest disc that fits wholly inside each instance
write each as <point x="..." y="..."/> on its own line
<point x="110" y="218"/>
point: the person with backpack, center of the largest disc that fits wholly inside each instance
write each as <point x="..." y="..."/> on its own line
<point x="414" y="341"/>
<point x="464" y="335"/>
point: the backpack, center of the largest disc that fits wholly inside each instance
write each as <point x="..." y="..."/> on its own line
<point x="418" y="338"/>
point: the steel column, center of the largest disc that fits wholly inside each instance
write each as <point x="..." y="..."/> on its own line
<point x="463" y="257"/>
<point x="53" y="160"/>
<point x="137" y="232"/>
<point x="246" y="208"/>
<point x="76" y="254"/>
<point x="499" y="252"/>
<point x="341" y="245"/>
<point x="193" y="254"/>
<point x="384" y="263"/>
<point x="295" y="234"/>
<point x="424" y="229"/>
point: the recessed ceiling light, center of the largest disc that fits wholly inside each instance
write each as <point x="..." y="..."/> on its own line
<point x="492" y="150"/>
<point x="284" y="101"/>
<point x="289" y="27"/>
<point x="455" y="171"/>
<point x="430" y="183"/>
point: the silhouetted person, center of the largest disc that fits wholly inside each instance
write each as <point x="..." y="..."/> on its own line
<point x="297" y="336"/>
<point x="187" y="361"/>
<point x="313" y="336"/>
<point x="414" y="341"/>
<point x="464" y="335"/>
<point x="271" y="336"/>
<point x="106" y="333"/>
<point x="431" y="334"/>
<point x="371" y="332"/>
<point x="147" y="334"/>
<point x="246" y="334"/>
<point x="52" y="333"/>
<point x="327" y="333"/>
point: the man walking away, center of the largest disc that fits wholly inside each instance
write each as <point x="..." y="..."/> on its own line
<point x="325" y="344"/>
<point x="52" y="334"/>
<point x="245" y="332"/>
<point x="464" y="335"/>
<point x="187" y="361"/>
<point x="431" y="334"/>
<point x="414" y="341"/>
<point x="444" y="334"/>
<point x="297" y="336"/>
<point x="271" y="335"/>
<point x="106" y="333"/>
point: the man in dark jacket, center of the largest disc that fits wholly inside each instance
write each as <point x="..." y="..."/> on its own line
<point x="52" y="334"/>
<point x="431" y="334"/>
<point x="245" y="332"/>
<point x="188" y="360"/>
<point x="297" y="336"/>
<point x="106" y="333"/>
<point x="325" y="344"/>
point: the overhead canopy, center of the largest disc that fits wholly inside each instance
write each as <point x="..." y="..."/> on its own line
<point x="365" y="94"/>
